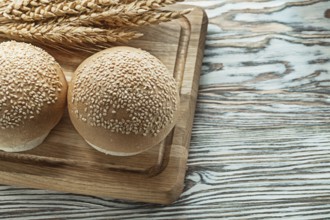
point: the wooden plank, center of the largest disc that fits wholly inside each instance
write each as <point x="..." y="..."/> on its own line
<point x="64" y="162"/>
<point x="260" y="140"/>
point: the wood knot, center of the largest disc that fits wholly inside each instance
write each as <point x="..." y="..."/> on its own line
<point x="327" y="13"/>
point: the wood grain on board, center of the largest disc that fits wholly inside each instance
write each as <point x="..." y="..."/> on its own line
<point x="260" y="144"/>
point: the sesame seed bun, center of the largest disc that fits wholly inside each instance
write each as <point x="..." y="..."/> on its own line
<point x="123" y="101"/>
<point x="32" y="95"/>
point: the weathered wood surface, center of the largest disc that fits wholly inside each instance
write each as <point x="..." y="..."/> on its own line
<point x="261" y="138"/>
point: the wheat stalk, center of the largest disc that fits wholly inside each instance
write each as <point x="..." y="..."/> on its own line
<point x="153" y="17"/>
<point x="152" y="4"/>
<point x="52" y="33"/>
<point x="127" y="16"/>
<point x="43" y="11"/>
<point x="26" y="5"/>
<point x="54" y="9"/>
<point x="147" y="18"/>
<point x="75" y="23"/>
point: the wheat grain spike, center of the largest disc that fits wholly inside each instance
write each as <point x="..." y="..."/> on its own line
<point x="46" y="9"/>
<point x="53" y="9"/>
<point x="59" y="34"/>
<point x="78" y="23"/>
<point x="127" y="15"/>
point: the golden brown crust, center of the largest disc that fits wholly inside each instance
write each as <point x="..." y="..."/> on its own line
<point x="29" y="131"/>
<point x="133" y="128"/>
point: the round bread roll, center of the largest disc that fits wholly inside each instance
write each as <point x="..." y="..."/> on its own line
<point x="32" y="95"/>
<point x="123" y="101"/>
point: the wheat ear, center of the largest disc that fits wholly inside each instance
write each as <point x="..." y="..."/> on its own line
<point x="25" y="5"/>
<point x="151" y="17"/>
<point x="152" y="4"/>
<point x="114" y="20"/>
<point x="53" y="10"/>
<point x="75" y="23"/>
<point x="123" y="15"/>
<point x="58" y="34"/>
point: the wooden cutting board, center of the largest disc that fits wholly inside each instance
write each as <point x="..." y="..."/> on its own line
<point x="64" y="162"/>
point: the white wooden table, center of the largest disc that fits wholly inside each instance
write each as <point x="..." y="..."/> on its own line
<point x="261" y="139"/>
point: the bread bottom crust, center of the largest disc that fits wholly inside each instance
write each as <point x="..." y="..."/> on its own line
<point x="113" y="153"/>
<point x="26" y="146"/>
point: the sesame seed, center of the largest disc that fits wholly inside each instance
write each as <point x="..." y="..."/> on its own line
<point x="29" y="81"/>
<point x="136" y="84"/>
